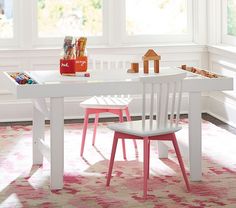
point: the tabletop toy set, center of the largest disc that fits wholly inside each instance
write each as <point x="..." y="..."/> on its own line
<point x="201" y="72"/>
<point x="74" y="59"/>
<point x="22" y="78"/>
<point x="150" y="55"/>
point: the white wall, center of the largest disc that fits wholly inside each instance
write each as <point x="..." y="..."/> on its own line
<point x="221" y="61"/>
<point x="48" y="59"/>
<point x="223" y="104"/>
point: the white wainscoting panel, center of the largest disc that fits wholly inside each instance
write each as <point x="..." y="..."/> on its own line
<point x="222" y="105"/>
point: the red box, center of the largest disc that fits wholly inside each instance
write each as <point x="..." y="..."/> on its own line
<point x="81" y="64"/>
<point x="67" y="66"/>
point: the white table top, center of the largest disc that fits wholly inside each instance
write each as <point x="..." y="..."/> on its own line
<point x="53" y="84"/>
<point x="54" y="77"/>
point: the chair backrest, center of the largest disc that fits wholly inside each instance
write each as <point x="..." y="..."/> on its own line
<point x="111" y="62"/>
<point x="164" y="94"/>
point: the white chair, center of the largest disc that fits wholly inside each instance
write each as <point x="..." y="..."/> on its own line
<point x="106" y="104"/>
<point x="165" y="97"/>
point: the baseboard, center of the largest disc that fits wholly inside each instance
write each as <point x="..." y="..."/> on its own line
<point x="223" y="108"/>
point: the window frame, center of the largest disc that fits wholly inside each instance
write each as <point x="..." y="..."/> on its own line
<point x="226" y="39"/>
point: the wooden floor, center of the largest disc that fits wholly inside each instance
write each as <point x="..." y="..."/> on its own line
<point x="205" y="116"/>
<point x="218" y="123"/>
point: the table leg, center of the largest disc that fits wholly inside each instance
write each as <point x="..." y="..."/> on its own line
<point x="195" y="136"/>
<point x="162" y="150"/>
<point x="38" y="133"/>
<point x="57" y="142"/>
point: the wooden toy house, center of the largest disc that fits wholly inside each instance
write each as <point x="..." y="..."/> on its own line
<point x="149" y="56"/>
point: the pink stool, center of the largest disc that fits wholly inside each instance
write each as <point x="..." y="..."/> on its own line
<point x="104" y="104"/>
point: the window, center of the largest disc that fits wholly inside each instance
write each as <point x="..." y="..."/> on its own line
<point x="131" y="21"/>
<point x="158" y="20"/>
<point x="45" y="23"/>
<point x="156" y="17"/>
<point x="6" y="19"/>
<point x="229" y="22"/>
<point x="57" y="18"/>
<point x="231" y="17"/>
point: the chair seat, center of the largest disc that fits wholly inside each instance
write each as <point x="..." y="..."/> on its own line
<point x="135" y="128"/>
<point x="106" y="102"/>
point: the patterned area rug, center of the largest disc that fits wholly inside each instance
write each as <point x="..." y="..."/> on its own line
<point x="24" y="185"/>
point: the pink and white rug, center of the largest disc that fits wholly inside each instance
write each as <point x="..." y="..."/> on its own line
<point x="24" y="185"/>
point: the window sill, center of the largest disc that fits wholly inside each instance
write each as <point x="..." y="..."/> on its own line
<point x="223" y="50"/>
<point x="106" y="49"/>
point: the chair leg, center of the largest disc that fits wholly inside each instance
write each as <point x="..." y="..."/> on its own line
<point x="180" y="162"/>
<point x="145" y="165"/>
<point x="113" y="152"/>
<point x="84" y="131"/>
<point x="148" y="158"/>
<point x="129" y="119"/>
<point x="95" y="127"/>
<point x="127" y="114"/>
<point x="123" y="140"/>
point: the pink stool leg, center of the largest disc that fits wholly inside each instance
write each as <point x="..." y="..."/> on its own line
<point x="95" y="127"/>
<point x="129" y="119"/>
<point x="127" y="114"/>
<point x="145" y="165"/>
<point x="180" y="162"/>
<point x="123" y="141"/>
<point x="113" y="152"/>
<point x="84" y="131"/>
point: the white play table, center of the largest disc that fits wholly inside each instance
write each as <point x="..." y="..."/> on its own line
<point x="55" y="87"/>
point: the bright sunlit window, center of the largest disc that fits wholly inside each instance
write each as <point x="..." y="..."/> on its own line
<point x="152" y="21"/>
<point x="156" y="17"/>
<point x="231" y="17"/>
<point x="44" y="23"/>
<point x="6" y="19"/>
<point x="229" y="22"/>
<point x="57" y="18"/>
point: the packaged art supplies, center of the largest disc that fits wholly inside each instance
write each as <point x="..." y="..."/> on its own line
<point x="22" y="78"/>
<point x="74" y="57"/>
<point x="80" y="46"/>
<point x="67" y="66"/>
<point x="67" y="62"/>
<point x="81" y="64"/>
<point x="69" y="52"/>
